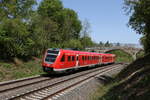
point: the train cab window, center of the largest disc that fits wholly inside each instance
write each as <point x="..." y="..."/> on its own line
<point x="63" y="58"/>
<point x="73" y="58"/>
<point x="69" y="58"/>
<point x="50" y="58"/>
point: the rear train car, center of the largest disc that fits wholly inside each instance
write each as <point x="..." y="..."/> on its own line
<point x="59" y="60"/>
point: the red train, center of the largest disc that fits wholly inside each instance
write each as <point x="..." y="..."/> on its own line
<point x="58" y="60"/>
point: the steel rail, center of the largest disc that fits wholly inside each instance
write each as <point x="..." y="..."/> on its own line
<point x="62" y="81"/>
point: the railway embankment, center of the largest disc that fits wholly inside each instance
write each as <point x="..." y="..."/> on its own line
<point x="132" y="83"/>
<point x="122" y="56"/>
<point x="20" y="69"/>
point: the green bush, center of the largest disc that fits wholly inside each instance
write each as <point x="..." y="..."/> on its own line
<point x="122" y="56"/>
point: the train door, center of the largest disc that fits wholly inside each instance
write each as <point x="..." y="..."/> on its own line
<point x="63" y="61"/>
<point x="77" y="60"/>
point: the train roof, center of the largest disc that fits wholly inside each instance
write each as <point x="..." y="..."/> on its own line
<point x="80" y="52"/>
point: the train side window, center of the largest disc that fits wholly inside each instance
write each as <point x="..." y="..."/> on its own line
<point x="82" y="57"/>
<point x="73" y="58"/>
<point x="77" y="58"/>
<point x="63" y="58"/>
<point x="69" y="58"/>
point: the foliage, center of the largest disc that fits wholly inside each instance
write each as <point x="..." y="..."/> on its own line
<point x="73" y="43"/>
<point x="107" y="44"/>
<point x="139" y="19"/>
<point x="140" y="54"/>
<point x="121" y="56"/>
<point x="10" y="71"/>
<point x="101" y="44"/>
<point x="14" y="35"/>
<point x="133" y="82"/>
<point x="86" y="40"/>
<point x="26" y="30"/>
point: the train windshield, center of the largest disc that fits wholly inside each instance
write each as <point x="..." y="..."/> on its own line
<point x="51" y="56"/>
<point x="52" y="51"/>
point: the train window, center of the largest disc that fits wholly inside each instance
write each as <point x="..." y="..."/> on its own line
<point x="50" y="58"/>
<point x="77" y="58"/>
<point x="82" y="57"/>
<point x="63" y="58"/>
<point x="73" y="58"/>
<point x="69" y="58"/>
<point x="52" y="51"/>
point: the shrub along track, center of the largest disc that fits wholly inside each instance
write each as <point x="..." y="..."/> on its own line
<point x="47" y="87"/>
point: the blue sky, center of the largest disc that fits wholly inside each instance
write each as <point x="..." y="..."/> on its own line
<point x="107" y="18"/>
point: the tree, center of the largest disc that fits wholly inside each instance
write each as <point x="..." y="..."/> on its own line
<point x="101" y="44"/>
<point x="43" y="34"/>
<point x="85" y="38"/>
<point x="140" y="19"/>
<point x="73" y="43"/>
<point x="68" y="24"/>
<point x="49" y="8"/>
<point x="118" y="44"/>
<point x="14" y="34"/>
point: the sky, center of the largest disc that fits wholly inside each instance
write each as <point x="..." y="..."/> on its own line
<point x="107" y="18"/>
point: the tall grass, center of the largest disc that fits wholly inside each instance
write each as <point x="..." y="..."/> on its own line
<point x="9" y="71"/>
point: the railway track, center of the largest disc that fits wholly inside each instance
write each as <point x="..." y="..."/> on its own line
<point x="46" y="87"/>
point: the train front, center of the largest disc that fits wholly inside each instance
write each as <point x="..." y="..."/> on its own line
<point x="48" y="62"/>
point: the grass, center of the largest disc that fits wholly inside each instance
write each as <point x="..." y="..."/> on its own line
<point x="132" y="83"/>
<point x="102" y="90"/>
<point x="122" y="56"/>
<point x="140" y="54"/>
<point x="10" y="71"/>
